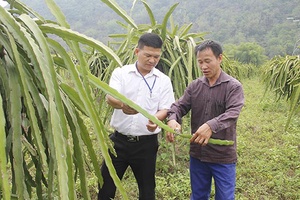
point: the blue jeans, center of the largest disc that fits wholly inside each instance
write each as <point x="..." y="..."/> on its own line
<point x="201" y="174"/>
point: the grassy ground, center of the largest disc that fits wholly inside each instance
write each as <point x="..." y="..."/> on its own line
<point x="269" y="158"/>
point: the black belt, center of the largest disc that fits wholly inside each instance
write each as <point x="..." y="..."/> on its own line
<point x="132" y="138"/>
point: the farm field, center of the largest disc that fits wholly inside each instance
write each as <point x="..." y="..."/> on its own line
<point x="54" y="114"/>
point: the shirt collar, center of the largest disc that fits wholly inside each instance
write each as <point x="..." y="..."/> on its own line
<point x="154" y="71"/>
<point x="222" y="78"/>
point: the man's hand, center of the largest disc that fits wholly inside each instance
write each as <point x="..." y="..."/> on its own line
<point x="117" y="104"/>
<point x="151" y="126"/>
<point x="159" y="115"/>
<point x="202" y="135"/>
<point x="128" y="110"/>
<point x="173" y="124"/>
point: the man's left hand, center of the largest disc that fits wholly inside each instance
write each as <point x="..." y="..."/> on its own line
<point x="151" y="126"/>
<point x="202" y="135"/>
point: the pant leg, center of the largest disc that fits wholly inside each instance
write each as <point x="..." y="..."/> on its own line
<point x="224" y="177"/>
<point x="201" y="179"/>
<point x="143" y="165"/>
<point x="108" y="190"/>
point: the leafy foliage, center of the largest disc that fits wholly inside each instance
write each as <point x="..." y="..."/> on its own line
<point x="177" y="59"/>
<point x="247" y="53"/>
<point x="42" y="114"/>
<point x="282" y="75"/>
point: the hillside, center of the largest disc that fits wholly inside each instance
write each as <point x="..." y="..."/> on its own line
<point x="228" y="21"/>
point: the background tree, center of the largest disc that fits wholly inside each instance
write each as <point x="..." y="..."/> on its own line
<point x="229" y="22"/>
<point x="247" y="53"/>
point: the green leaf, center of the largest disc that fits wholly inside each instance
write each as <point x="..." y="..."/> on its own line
<point x="294" y="104"/>
<point x="55" y="10"/>
<point x="74" y="96"/>
<point x="150" y="13"/>
<point x="122" y="13"/>
<point x="165" y="21"/>
<point x="54" y="94"/>
<point x="107" y="89"/>
<point x="22" y="8"/>
<point x="25" y="40"/>
<point x="4" y="182"/>
<point x="114" y="93"/>
<point x="15" y="120"/>
<point x="89" y="144"/>
<point x="60" y="145"/>
<point x="77" y="148"/>
<point x="75" y="36"/>
<point x="91" y="111"/>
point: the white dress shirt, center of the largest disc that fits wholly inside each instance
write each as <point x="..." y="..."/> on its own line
<point x="129" y="82"/>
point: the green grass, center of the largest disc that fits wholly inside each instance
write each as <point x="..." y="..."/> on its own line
<point x="268" y="157"/>
<point x="268" y="166"/>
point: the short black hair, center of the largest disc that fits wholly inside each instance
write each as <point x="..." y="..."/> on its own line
<point x="210" y="44"/>
<point x="150" y="40"/>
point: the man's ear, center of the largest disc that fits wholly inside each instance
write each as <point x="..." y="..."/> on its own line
<point x="136" y="51"/>
<point x="220" y="58"/>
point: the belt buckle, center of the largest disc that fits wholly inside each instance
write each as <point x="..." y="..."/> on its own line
<point x="131" y="138"/>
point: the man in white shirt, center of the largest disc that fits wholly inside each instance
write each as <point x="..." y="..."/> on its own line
<point x="135" y="137"/>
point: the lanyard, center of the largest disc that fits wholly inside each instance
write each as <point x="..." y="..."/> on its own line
<point x="150" y="88"/>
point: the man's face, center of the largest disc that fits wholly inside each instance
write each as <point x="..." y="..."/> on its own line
<point x="148" y="57"/>
<point x="209" y="64"/>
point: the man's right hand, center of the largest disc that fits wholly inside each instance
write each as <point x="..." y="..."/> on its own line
<point x="128" y="110"/>
<point x="117" y="104"/>
<point x="173" y="124"/>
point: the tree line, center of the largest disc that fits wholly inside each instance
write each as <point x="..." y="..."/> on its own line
<point x="267" y="23"/>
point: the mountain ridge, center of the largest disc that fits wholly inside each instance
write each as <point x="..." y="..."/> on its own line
<point x="229" y="22"/>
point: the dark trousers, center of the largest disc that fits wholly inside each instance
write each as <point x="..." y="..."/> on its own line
<point x="140" y="155"/>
